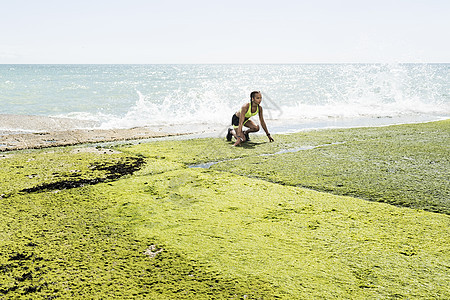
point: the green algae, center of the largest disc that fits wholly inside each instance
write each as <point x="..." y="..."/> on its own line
<point x="309" y="244"/>
<point x="402" y="165"/>
<point x="74" y="250"/>
<point x="72" y="243"/>
<point x="173" y="232"/>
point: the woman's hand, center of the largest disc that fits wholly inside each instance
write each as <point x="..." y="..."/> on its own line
<point x="270" y="137"/>
<point x="239" y="140"/>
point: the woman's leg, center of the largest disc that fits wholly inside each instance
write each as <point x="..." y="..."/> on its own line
<point x="252" y="127"/>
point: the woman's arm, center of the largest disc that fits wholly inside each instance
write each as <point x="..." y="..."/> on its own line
<point x="263" y="123"/>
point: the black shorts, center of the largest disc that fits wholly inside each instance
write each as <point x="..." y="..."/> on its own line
<point x="235" y="120"/>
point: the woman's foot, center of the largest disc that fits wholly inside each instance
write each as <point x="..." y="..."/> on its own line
<point x="229" y="135"/>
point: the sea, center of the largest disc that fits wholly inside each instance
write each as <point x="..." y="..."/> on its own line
<point x="202" y="98"/>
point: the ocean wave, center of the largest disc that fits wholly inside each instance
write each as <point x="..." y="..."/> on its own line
<point x="147" y="113"/>
<point x="208" y="95"/>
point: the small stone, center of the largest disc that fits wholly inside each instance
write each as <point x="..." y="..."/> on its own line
<point x="152" y="251"/>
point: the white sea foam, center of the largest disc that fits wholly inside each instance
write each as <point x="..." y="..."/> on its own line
<point x="209" y="110"/>
<point x="360" y="109"/>
<point x="174" y="110"/>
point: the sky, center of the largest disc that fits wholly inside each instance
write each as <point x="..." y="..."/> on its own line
<point x="228" y="31"/>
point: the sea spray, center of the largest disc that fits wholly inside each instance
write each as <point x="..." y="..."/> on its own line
<point x="179" y="108"/>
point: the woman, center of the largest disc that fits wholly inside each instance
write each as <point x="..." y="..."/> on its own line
<point x="242" y="118"/>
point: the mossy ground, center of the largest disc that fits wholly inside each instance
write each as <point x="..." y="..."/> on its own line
<point x="173" y="232"/>
<point x="402" y="165"/>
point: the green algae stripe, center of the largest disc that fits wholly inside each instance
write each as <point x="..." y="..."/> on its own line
<point x="404" y="165"/>
<point x="197" y="151"/>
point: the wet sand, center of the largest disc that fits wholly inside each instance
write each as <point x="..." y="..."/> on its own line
<point x="73" y="137"/>
<point x="10" y="122"/>
<point x="19" y="132"/>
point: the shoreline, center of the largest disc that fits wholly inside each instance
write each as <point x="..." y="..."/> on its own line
<point x="19" y="132"/>
<point x="39" y="140"/>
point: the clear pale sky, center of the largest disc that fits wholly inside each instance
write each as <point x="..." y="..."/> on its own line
<point x="228" y="31"/>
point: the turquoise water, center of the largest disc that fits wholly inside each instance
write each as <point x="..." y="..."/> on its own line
<point x="294" y="96"/>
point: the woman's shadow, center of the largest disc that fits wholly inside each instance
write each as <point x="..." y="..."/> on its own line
<point x="248" y="144"/>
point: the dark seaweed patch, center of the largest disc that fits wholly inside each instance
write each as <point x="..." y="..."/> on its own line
<point x="7" y="290"/>
<point x="113" y="172"/>
<point x="20" y="270"/>
<point x="19" y="256"/>
<point x="25" y="276"/>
